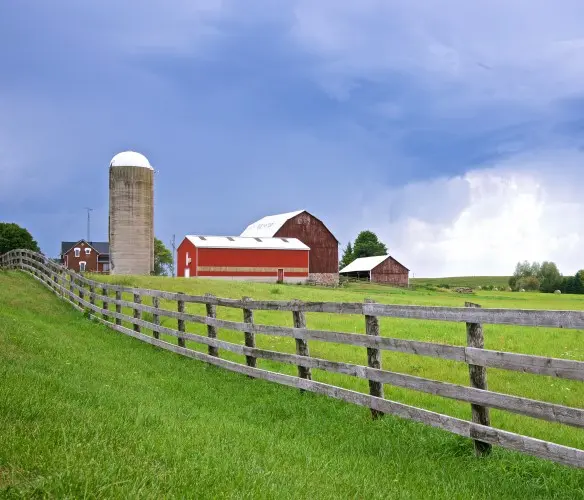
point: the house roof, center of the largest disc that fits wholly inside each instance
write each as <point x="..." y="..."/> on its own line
<point x="255" y="243"/>
<point x="365" y="264"/>
<point x="268" y="226"/>
<point x="101" y="247"/>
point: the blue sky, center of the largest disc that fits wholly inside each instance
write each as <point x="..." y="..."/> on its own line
<point x="453" y="130"/>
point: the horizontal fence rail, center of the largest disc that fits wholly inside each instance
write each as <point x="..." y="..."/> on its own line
<point x="105" y="303"/>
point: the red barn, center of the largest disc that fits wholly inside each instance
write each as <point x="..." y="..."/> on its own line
<point x="239" y="258"/>
<point x="324" y="247"/>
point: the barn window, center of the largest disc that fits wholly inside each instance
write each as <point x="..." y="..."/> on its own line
<point x="77" y="252"/>
<point x="88" y="251"/>
<point x="82" y="265"/>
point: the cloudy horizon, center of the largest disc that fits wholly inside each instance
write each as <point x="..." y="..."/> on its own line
<point x="453" y="132"/>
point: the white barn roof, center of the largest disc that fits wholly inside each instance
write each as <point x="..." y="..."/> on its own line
<point x="364" y="264"/>
<point x="256" y="243"/>
<point x="269" y="225"/>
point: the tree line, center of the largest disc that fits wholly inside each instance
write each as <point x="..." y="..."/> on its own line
<point x="545" y="277"/>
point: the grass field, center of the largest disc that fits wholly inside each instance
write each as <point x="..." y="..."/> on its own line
<point x="87" y="412"/>
<point x="501" y="282"/>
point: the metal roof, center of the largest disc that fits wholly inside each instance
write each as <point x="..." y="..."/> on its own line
<point x="255" y="243"/>
<point x="269" y="225"/>
<point x="101" y="247"/>
<point x="130" y="159"/>
<point x="364" y="264"/>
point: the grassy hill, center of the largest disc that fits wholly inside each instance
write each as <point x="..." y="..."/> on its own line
<point x="87" y="412"/>
<point x="501" y="282"/>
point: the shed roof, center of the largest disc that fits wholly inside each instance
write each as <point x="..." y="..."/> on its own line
<point x="268" y="226"/>
<point x="255" y="243"/>
<point x="101" y="247"/>
<point x="364" y="264"/>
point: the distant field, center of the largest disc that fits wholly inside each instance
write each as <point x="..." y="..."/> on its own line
<point x="464" y="281"/>
<point x="89" y="413"/>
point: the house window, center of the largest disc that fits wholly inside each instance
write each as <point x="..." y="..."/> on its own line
<point x="87" y="251"/>
<point x="82" y="265"/>
<point x="77" y="252"/>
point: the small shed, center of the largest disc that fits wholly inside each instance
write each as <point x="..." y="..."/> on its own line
<point x="382" y="269"/>
<point x="324" y="247"/>
<point x="243" y="258"/>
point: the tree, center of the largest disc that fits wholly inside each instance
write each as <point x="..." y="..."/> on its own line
<point x="162" y="258"/>
<point x="549" y="277"/>
<point x="524" y="270"/>
<point x="367" y="244"/>
<point x="13" y="237"/>
<point x="579" y="282"/>
<point x="347" y="256"/>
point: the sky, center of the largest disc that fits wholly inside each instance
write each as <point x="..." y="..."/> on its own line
<point x="454" y="130"/>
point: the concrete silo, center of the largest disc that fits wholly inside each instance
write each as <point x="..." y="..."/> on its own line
<point x="131" y="214"/>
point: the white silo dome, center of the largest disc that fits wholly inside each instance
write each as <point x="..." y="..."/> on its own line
<point x="130" y="159"/>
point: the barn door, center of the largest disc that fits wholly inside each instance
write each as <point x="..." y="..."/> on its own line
<point x="187" y="272"/>
<point x="280" y="275"/>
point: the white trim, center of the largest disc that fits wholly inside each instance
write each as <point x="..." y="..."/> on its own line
<point x="77" y="251"/>
<point x="83" y="264"/>
<point x="87" y="250"/>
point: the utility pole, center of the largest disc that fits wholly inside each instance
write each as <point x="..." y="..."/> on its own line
<point x="173" y="245"/>
<point x="89" y="210"/>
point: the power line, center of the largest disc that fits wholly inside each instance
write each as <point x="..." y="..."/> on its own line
<point x="173" y="245"/>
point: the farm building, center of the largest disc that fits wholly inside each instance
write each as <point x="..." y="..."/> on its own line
<point x="324" y="247"/>
<point x="85" y="256"/>
<point x="239" y="258"/>
<point x="382" y="269"/>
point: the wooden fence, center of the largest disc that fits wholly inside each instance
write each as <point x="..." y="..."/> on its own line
<point x="105" y="302"/>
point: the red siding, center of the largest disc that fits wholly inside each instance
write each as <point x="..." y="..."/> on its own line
<point x="91" y="264"/>
<point x="238" y="262"/>
<point x="324" y="247"/>
<point x="390" y="271"/>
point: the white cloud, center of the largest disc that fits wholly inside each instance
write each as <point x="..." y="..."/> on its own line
<point x="484" y="222"/>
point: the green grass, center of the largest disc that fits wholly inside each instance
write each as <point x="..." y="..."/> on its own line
<point x="87" y="412"/>
<point x="501" y="282"/>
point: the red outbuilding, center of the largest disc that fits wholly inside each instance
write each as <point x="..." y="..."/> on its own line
<point x="243" y="258"/>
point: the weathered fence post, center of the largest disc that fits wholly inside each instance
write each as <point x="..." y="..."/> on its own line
<point x="373" y="358"/>
<point x="105" y="304"/>
<point x="92" y="295"/>
<point x="478" y="379"/>
<point x="211" y="329"/>
<point x="299" y="319"/>
<point x="249" y="336"/>
<point x="156" y="317"/>
<point x="118" y="307"/>
<point x="181" y="322"/>
<point x="137" y="312"/>
<point x="81" y="293"/>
